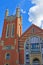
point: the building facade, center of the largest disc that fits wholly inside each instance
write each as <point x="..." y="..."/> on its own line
<point x="17" y="48"/>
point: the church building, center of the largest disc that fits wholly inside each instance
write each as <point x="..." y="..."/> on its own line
<point x="17" y="48"/>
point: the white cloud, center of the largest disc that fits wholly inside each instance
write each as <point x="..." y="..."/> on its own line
<point x="23" y="11"/>
<point x="36" y="13"/>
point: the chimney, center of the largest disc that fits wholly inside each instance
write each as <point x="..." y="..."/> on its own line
<point x="18" y="12"/>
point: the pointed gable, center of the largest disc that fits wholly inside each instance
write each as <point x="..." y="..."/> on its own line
<point x="32" y="30"/>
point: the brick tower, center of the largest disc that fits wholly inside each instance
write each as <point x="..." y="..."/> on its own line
<point x="17" y="48"/>
<point x="12" y="30"/>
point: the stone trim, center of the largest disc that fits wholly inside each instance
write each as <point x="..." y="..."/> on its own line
<point x="6" y="54"/>
<point x="6" y="63"/>
<point x="17" y="62"/>
<point x="10" y="18"/>
<point x="21" y="48"/>
<point x="5" y="48"/>
<point x="1" y="43"/>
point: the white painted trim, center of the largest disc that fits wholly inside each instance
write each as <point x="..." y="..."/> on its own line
<point x="29" y="46"/>
<point x="25" y="50"/>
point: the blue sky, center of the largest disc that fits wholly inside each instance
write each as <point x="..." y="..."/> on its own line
<point x="11" y="5"/>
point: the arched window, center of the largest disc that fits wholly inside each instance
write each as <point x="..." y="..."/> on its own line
<point x="27" y="46"/>
<point x="7" y="56"/>
<point x="42" y="44"/>
<point x="26" y="54"/>
<point x="36" y="62"/>
<point x="35" y="44"/>
<point x="34" y="39"/>
<point x="7" y="64"/>
<point x="42" y="48"/>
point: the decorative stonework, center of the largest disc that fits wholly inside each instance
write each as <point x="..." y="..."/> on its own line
<point x="8" y="48"/>
<point x="17" y="62"/>
<point x="1" y="43"/>
<point x="17" y="50"/>
<point x="10" y="18"/>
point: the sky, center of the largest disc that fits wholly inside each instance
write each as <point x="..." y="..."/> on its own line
<point x="31" y="12"/>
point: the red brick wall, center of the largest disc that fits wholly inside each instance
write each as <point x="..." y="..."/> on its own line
<point x="9" y="41"/>
<point x="26" y="35"/>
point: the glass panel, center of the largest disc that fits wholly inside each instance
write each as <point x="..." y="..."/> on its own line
<point x="27" y="46"/>
<point x="33" y="40"/>
<point x="27" y="55"/>
<point x="35" y="45"/>
<point x="8" y="47"/>
<point x="35" y="48"/>
<point x="41" y="45"/>
<point x="27" y="59"/>
<point x="36" y="62"/>
<point x="8" y="56"/>
<point x="42" y="55"/>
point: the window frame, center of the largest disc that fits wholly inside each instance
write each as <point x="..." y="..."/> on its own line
<point x="12" y="30"/>
<point x="7" y="30"/>
<point x="6" y="56"/>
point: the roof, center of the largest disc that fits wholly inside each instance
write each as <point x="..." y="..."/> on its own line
<point x="30" y="28"/>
